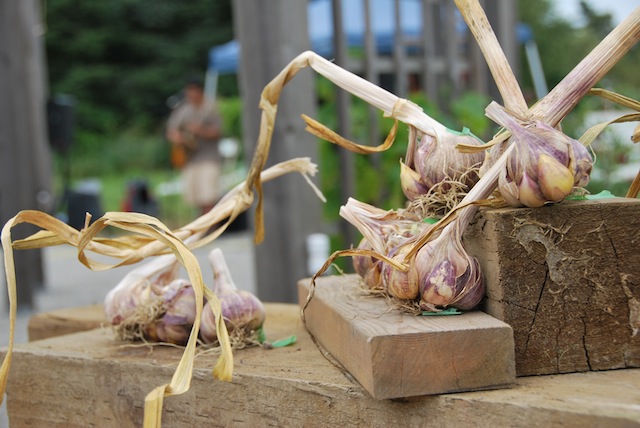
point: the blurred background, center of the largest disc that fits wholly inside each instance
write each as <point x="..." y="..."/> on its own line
<point x="102" y="78"/>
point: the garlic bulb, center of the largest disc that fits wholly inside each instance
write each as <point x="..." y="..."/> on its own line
<point x="240" y="308"/>
<point x="545" y="165"/>
<point x="139" y="287"/>
<point x="179" y="312"/>
<point x="151" y="302"/>
<point x="383" y="230"/>
<point x="448" y="276"/>
<point x="434" y="159"/>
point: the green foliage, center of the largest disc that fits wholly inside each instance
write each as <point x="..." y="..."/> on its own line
<point x="129" y="150"/>
<point x="231" y="112"/>
<point x="564" y="44"/>
<point x="122" y="59"/>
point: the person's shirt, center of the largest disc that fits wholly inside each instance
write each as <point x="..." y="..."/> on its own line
<point x="199" y="149"/>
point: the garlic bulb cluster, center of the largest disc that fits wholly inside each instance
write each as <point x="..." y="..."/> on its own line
<point x="151" y="303"/>
<point x="241" y="310"/>
<point x="545" y="165"/>
<point x="139" y="288"/>
<point x="440" y="275"/>
<point x="384" y="232"/>
<point x="433" y="160"/>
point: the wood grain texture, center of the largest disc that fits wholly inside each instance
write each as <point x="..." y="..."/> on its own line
<point x="91" y="379"/>
<point x="396" y="355"/>
<point x="66" y="321"/>
<point x="567" y="279"/>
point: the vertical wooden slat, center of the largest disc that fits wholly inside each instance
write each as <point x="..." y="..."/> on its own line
<point x="506" y="22"/>
<point x="271" y="34"/>
<point x="371" y="70"/>
<point x="429" y="48"/>
<point x="343" y="100"/>
<point x="399" y="54"/>
<point x="371" y="74"/>
<point x="25" y="159"/>
<point x="451" y="42"/>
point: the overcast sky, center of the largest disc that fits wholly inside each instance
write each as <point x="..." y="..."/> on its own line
<point x="619" y="8"/>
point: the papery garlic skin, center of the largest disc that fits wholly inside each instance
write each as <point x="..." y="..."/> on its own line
<point x="139" y="287"/>
<point x="179" y="313"/>
<point x="435" y="159"/>
<point x="411" y="182"/>
<point x="400" y="284"/>
<point x="448" y="276"/>
<point x="546" y="165"/>
<point x="383" y="230"/>
<point x="368" y="267"/>
<point x="240" y="308"/>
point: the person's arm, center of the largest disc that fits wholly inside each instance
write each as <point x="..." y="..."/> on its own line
<point x="175" y="136"/>
<point x="206" y="131"/>
<point x="173" y="133"/>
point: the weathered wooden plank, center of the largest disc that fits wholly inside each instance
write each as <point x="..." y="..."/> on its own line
<point x="396" y="355"/>
<point x="567" y="279"/>
<point x="91" y="379"/>
<point x="66" y="321"/>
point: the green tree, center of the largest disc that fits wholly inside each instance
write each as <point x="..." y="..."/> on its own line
<point x="121" y="59"/>
<point x="563" y="44"/>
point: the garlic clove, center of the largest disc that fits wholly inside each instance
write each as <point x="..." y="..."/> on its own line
<point x="361" y="264"/>
<point x="373" y="276"/>
<point x="581" y="163"/>
<point x="555" y="180"/>
<point x="438" y="288"/>
<point x="509" y="190"/>
<point x="402" y="285"/>
<point x="177" y="322"/>
<point x="241" y="310"/>
<point x="529" y="193"/>
<point x="410" y="182"/>
<point x="470" y="287"/>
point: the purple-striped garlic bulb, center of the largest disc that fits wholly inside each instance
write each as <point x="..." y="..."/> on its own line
<point x="240" y="308"/>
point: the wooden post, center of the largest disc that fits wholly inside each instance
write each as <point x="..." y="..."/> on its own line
<point x="429" y="54"/>
<point x="401" y="88"/>
<point x="372" y="74"/>
<point x="25" y="159"/>
<point x="502" y="16"/>
<point x="271" y="34"/>
<point x="343" y="102"/>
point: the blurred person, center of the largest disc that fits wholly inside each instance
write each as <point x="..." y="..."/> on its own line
<point x="194" y="130"/>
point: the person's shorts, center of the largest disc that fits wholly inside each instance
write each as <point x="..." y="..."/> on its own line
<point x="201" y="183"/>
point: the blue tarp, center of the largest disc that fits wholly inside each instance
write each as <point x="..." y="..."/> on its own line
<point x="223" y="59"/>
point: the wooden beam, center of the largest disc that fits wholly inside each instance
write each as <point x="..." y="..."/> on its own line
<point x="271" y="34"/>
<point x="25" y="160"/>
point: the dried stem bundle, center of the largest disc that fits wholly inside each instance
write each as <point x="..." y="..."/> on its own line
<point x="151" y="237"/>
